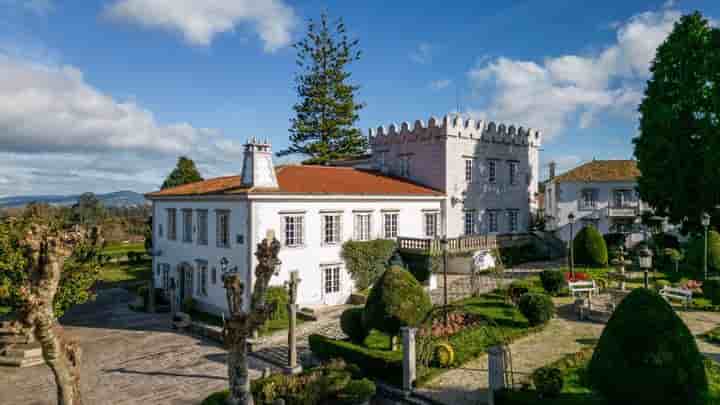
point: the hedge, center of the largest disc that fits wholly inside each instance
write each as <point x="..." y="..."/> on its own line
<point x="366" y="260"/>
<point x="514" y="255"/>
<point x="385" y="365"/>
<point x="590" y="248"/>
<point x="422" y="266"/>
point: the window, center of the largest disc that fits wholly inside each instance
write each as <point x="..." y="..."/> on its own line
<point x="202" y="226"/>
<point x="405" y="166"/>
<point x="160" y="230"/>
<point x="332" y="279"/>
<point x="512" y="221"/>
<point x="293" y="227"/>
<point x="222" y="228"/>
<point x="213" y="275"/>
<point x="512" y="168"/>
<point x="187" y="225"/>
<point x="390" y="225"/>
<point x="492" y="221"/>
<point x="165" y="276"/>
<point x="492" y="171"/>
<point x="468" y="170"/>
<point x="431" y="224"/>
<point x="588" y="199"/>
<point x="202" y="278"/>
<point x="331" y="229"/>
<point x="362" y="227"/>
<point x="381" y="160"/>
<point x="171" y="223"/>
<point x="469" y="222"/>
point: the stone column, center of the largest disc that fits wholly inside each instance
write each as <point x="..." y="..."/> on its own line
<point x="409" y="363"/>
<point x="293" y="367"/>
<point x="496" y="371"/>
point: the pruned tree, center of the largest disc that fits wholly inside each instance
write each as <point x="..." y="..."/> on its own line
<point x="244" y="320"/>
<point x="323" y="127"/>
<point x="184" y="173"/>
<point x="46" y="250"/>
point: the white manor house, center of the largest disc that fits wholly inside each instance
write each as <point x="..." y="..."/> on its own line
<point x="450" y="177"/>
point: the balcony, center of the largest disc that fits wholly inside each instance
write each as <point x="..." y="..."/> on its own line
<point x="625" y="211"/>
<point x="455" y="245"/>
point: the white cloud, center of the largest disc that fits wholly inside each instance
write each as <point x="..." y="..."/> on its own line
<point x="423" y="53"/>
<point x="199" y="21"/>
<point x="574" y="88"/>
<point x="440" y="84"/>
<point x="53" y="121"/>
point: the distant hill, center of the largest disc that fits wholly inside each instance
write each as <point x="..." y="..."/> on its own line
<point x="116" y="199"/>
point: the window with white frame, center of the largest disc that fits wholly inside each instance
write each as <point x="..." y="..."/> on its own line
<point x="172" y="223"/>
<point x="512" y="172"/>
<point x="512" y="221"/>
<point x="202" y="289"/>
<point x="468" y="170"/>
<point x="187" y="225"/>
<point x="213" y="275"/>
<point x="492" y="217"/>
<point x="363" y="226"/>
<point x="331" y="275"/>
<point x="588" y="199"/>
<point x="293" y="230"/>
<point x="390" y="225"/>
<point x="469" y="222"/>
<point x="202" y="227"/>
<point x="492" y="171"/>
<point x="222" y="228"/>
<point x="331" y="228"/>
<point x="431" y="222"/>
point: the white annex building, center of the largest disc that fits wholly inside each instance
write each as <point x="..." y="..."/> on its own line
<point x="449" y="177"/>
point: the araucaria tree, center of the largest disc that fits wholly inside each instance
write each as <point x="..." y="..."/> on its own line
<point x="323" y="127"/>
<point x="45" y="250"/>
<point x="678" y="148"/>
<point x="243" y="321"/>
<point x="185" y="172"/>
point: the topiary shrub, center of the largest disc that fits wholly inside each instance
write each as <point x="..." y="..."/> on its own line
<point x="422" y="266"/>
<point x="366" y="260"/>
<point x="357" y="392"/>
<point x="537" y="308"/>
<point x="397" y="299"/>
<point x="696" y="249"/>
<point x="711" y="290"/>
<point x="351" y="323"/>
<point x="548" y="381"/>
<point x="517" y="289"/>
<point x="590" y="248"/>
<point x="647" y="355"/>
<point x="552" y="281"/>
<point x="277" y="299"/>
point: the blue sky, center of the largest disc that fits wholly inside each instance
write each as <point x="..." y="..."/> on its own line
<point x="104" y="95"/>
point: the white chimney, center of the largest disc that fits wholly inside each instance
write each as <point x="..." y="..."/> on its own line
<point x="258" y="169"/>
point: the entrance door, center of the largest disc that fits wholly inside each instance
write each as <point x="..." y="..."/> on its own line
<point x="332" y="284"/>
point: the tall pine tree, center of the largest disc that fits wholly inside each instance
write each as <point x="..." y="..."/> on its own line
<point x="185" y="172"/>
<point x="323" y="126"/>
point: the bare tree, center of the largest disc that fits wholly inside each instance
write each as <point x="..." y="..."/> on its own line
<point x="243" y="322"/>
<point x="46" y="251"/>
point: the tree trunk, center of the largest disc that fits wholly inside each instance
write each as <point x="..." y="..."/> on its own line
<point x="238" y="374"/>
<point x="63" y="358"/>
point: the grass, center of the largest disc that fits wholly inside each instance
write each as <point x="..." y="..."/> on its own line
<point x="4" y="310"/>
<point x="121" y="274"/>
<point x="115" y="249"/>
<point x="712" y="336"/>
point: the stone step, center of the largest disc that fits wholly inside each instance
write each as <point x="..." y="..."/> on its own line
<point x="20" y="361"/>
<point x="24" y="350"/>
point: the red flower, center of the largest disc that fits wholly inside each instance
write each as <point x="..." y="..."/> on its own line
<point x="579" y="276"/>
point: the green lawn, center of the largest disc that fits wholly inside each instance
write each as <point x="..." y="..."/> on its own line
<point x="4" y="310"/>
<point x="121" y="273"/>
<point x="121" y="248"/>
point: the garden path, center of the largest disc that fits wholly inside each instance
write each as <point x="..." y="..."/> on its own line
<point x="467" y="385"/>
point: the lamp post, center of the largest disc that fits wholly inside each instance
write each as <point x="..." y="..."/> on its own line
<point x="571" y="220"/>
<point x="444" y="244"/>
<point x="705" y="219"/>
<point x="645" y="259"/>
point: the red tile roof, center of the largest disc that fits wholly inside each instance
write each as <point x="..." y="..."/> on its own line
<point x="305" y="179"/>
<point x="602" y="170"/>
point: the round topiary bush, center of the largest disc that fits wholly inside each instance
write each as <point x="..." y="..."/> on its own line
<point x="590" y="248"/>
<point x="552" y="281"/>
<point x="647" y="355"/>
<point x="548" y="381"/>
<point x="397" y="299"/>
<point x="351" y="323"/>
<point x="537" y="308"/>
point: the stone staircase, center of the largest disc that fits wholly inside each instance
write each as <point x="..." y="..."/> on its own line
<point x="15" y="351"/>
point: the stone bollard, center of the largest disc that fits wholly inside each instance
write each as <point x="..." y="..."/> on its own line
<point x="496" y="371"/>
<point x="409" y="363"/>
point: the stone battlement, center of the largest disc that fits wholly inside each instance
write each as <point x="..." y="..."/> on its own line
<point x="456" y="126"/>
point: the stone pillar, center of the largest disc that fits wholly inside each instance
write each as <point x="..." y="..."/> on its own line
<point x="293" y="367"/>
<point x="409" y="363"/>
<point x="496" y="371"/>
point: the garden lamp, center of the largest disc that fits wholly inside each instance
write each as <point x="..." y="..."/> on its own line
<point x="645" y="261"/>
<point x="444" y="244"/>
<point x="571" y="220"/>
<point x="705" y="220"/>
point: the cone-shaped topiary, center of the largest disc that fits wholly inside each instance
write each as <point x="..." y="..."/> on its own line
<point x="695" y="251"/>
<point x="646" y="355"/>
<point x="590" y="248"/>
<point x="397" y="299"/>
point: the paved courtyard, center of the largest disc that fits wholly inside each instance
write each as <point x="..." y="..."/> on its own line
<point x="128" y="358"/>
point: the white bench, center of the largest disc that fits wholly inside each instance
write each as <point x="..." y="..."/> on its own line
<point x="583" y="287"/>
<point x="681" y="294"/>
